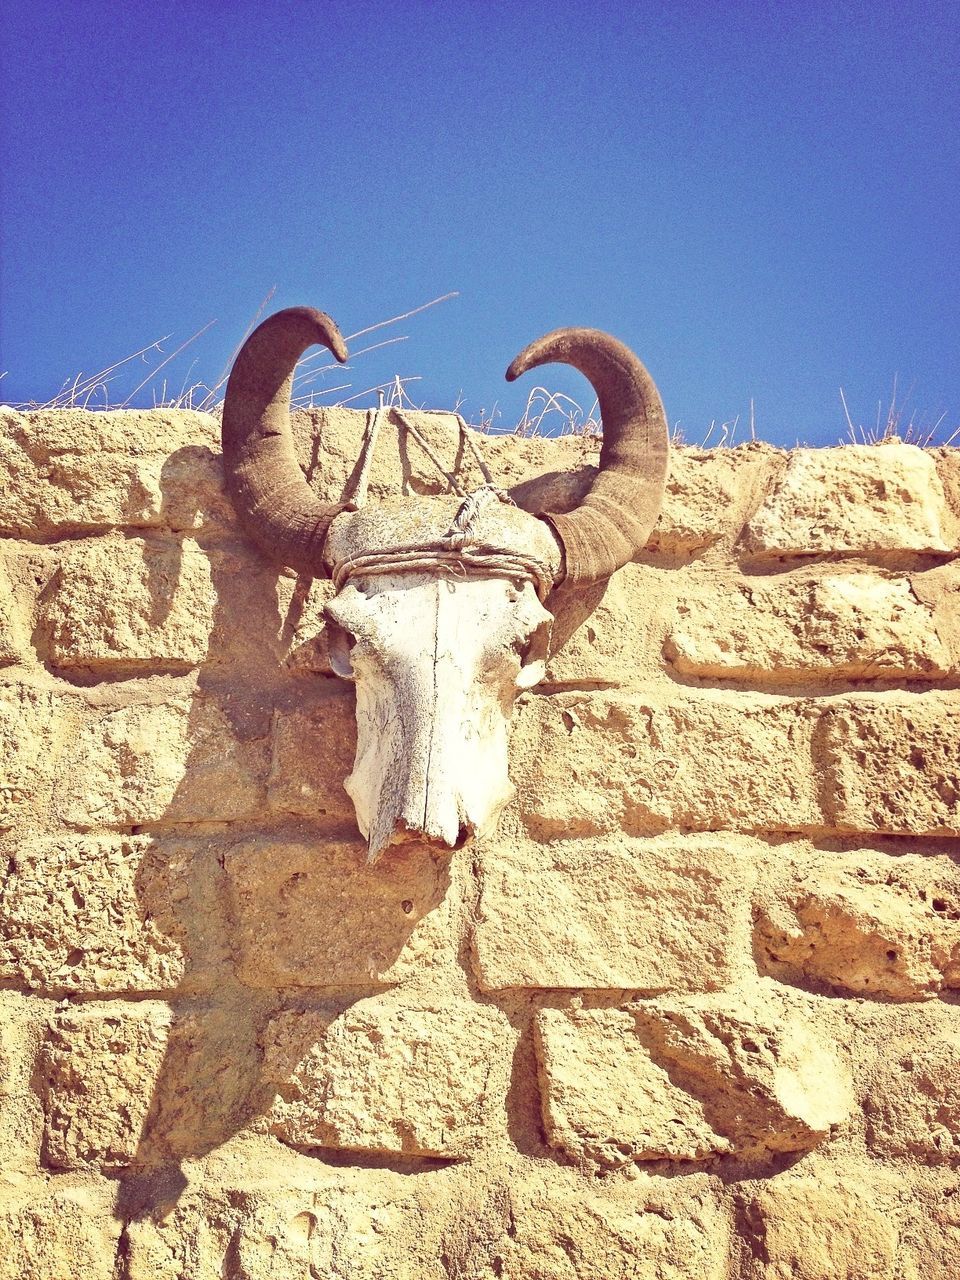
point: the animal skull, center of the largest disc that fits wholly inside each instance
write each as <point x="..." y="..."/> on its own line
<point x="439" y="615"/>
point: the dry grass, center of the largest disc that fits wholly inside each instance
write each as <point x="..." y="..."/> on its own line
<point x="546" y="413"/>
<point x="894" y="424"/>
<point x="99" y="390"/>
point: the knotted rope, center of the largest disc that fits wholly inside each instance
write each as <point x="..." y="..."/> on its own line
<point x="457" y="552"/>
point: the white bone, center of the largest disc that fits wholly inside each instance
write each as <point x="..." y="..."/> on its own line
<point x="438" y="657"/>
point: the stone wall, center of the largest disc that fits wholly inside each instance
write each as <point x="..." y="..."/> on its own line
<point x="691" y="1015"/>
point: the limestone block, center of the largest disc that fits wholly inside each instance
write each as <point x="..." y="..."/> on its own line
<point x="855" y="499"/>
<point x="67" y="470"/>
<point x="315" y="914"/>
<point x="98" y="1067"/>
<point x="100" y="914"/>
<point x="703" y="502"/>
<point x="271" y="1234"/>
<point x="58" y="1234"/>
<point x="652" y="916"/>
<point x="807" y="625"/>
<point x="654" y="1232"/>
<point x="287" y="1227"/>
<point x="176" y="760"/>
<point x="863" y="923"/>
<point x="705" y="494"/>
<point x="129" y="602"/>
<point x="12" y="638"/>
<point x="313" y="751"/>
<point x="304" y="648"/>
<point x="893" y="764"/>
<point x="930" y="1233"/>
<point x="819" y="1229"/>
<point x="606" y="1102"/>
<point x="947" y="461"/>
<point x="685" y="1081"/>
<point x="21" y="1020"/>
<point x="34" y="726"/>
<point x="386" y="1075"/>
<point x="613" y="636"/>
<point x="328" y="443"/>
<point x="595" y="763"/>
<point x="913" y="1103"/>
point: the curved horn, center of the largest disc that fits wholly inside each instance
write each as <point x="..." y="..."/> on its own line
<point x="618" y="512"/>
<point x="271" y="496"/>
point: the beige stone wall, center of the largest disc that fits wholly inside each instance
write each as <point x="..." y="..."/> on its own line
<point x="691" y="1015"/>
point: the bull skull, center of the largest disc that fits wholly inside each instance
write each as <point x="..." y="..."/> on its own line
<point x="439" y="615"/>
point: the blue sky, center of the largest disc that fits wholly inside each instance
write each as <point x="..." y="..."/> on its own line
<point x="762" y="200"/>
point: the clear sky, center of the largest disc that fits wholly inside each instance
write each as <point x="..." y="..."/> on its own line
<point x="761" y="199"/>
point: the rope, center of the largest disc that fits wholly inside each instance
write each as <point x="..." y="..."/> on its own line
<point x="453" y="554"/>
<point x="447" y="475"/>
<point x="370" y="432"/>
<point x="466" y="435"/>
<point x="427" y="557"/>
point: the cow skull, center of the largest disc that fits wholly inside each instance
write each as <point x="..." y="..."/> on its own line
<point x="439" y="615"/>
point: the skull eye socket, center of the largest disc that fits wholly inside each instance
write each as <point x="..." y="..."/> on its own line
<point x="533" y="650"/>
<point x="340" y="643"/>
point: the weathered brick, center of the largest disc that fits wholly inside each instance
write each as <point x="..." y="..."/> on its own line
<point x="94" y="915"/>
<point x="861" y="922"/>
<point x="58" y="1233"/>
<point x="176" y="760"/>
<point x="35" y="725"/>
<point x="386" y="1075"/>
<point x="855" y="499"/>
<point x="807" y="626"/>
<point x="820" y="1229"/>
<point x="68" y="470"/>
<point x="98" y="1068"/>
<point x="892" y="764"/>
<point x="652" y="916"/>
<point x="127" y="602"/>
<point x="589" y="763"/>
<point x="913" y="1102"/>
<point x="315" y="914"/>
<point x="313" y="751"/>
<point x="687" y="1081"/>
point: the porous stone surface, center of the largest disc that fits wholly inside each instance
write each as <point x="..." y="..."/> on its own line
<point x="912" y="1105"/>
<point x="309" y="916"/>
<point x="894" y="764"/>
<point x="179" y="759"/>
<point x="589" y="763"/>
<point x="861" y="923"/>
<point x="96" y="1069"/>
<point x="688" y="1012"/>
<point x="89" y="914"/>
<point x="46" y="1234"/>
